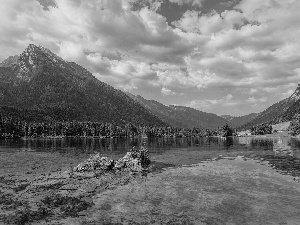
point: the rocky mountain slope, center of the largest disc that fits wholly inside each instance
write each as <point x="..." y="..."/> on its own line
<point x="279" y="112"/>
<point x="294" y="107"/>
<point x="181" y="116"/>
<point x="43" y="83"/>
<point x="240" y="120"/>
<point x="10" y="61"/>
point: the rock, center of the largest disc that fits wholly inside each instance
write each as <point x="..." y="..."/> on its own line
<point x="95" y="162"/>
<point x="128" y="162"/>
<point x="135" y="160"/>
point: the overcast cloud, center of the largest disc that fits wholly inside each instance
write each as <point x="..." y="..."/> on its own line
<point x="237" y="61"/>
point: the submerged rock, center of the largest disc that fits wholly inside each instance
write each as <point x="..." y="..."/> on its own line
<point x="135" y="160"/>
<point x="69" y="206"/>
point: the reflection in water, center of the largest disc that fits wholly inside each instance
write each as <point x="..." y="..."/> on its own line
<point x="266" y="144"/>
<point x="283" y="147"/>
<point x="280" y="146"/>
<point x="90" y="145"/>
<point x="285" y="158"/>
<point x="281" y="153"/>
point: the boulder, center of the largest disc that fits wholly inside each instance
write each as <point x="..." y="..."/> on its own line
<point x="95" y="162"/>
<point x="135" y="160"/>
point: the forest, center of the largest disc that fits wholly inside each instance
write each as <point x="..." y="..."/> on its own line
<point x="295" y="125"/>
<point x="15" y="127"/>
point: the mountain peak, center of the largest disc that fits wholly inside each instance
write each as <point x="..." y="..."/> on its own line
<point x="40" y="51"/>
<point x="30" y="53"/>
<point x="31" y="47"/>
<point x="34" y="58"/>
<point x="28" y="62"/>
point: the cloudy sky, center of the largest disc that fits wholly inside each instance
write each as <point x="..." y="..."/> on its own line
<point x="222" y="56"/>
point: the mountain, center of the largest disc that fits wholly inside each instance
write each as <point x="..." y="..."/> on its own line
<point x="294" y="107"/>
<point x="11" y="60"/>
<point x="181" y="116"/>
<point x="42" y="83"/>
<point x="240" y="120"/>
<point x="279" y="112"/>
<point x="227" y="117"/>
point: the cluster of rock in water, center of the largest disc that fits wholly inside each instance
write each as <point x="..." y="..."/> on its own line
<point x="134" y="161"/>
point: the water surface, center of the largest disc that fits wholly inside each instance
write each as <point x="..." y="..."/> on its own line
<point x="239" y="180"/>
<point x="106" y="145"/>
<point x="280" y="152"/>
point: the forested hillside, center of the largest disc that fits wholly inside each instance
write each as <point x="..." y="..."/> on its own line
<point x="279" y="112"/>
<point x="181" y="116"/>
<point x="44" y="84"/>
<point x="238" y="121"/>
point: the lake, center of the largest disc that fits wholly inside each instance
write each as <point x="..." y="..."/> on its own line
<point x="213" y="180"/>
<point x="190" y="149"/>
<point x="84" y="146"/>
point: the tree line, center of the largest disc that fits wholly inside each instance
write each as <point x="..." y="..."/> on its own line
<point x="12" y="127"/>
<point x="16" y="123"/>
<point x="261" y="129"/>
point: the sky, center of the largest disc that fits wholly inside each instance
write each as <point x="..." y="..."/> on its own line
<point x="231" y="57"/>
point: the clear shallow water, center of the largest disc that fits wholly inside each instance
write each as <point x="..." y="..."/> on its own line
<point x="220" y="185"/>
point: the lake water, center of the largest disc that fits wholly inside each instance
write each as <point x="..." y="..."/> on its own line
<point x="83" y="146"/>
<point x="213" y="180"/>
<point x="175" y="151"/>
<point x="105" y="145"/>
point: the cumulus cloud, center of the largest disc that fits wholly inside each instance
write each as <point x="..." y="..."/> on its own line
<point x="256" y="100"/>
<point x="166" y="91"/>
<point x="213" y="22"/>
<point x="256" y="52"/>
<point x="253" y="90"/>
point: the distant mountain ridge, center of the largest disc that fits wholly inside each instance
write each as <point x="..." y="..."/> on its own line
<point x="279" y="112"/>
<point x="181" y="116"/>
<point x="240" y="120"/>
<point x="40" y="81"/>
